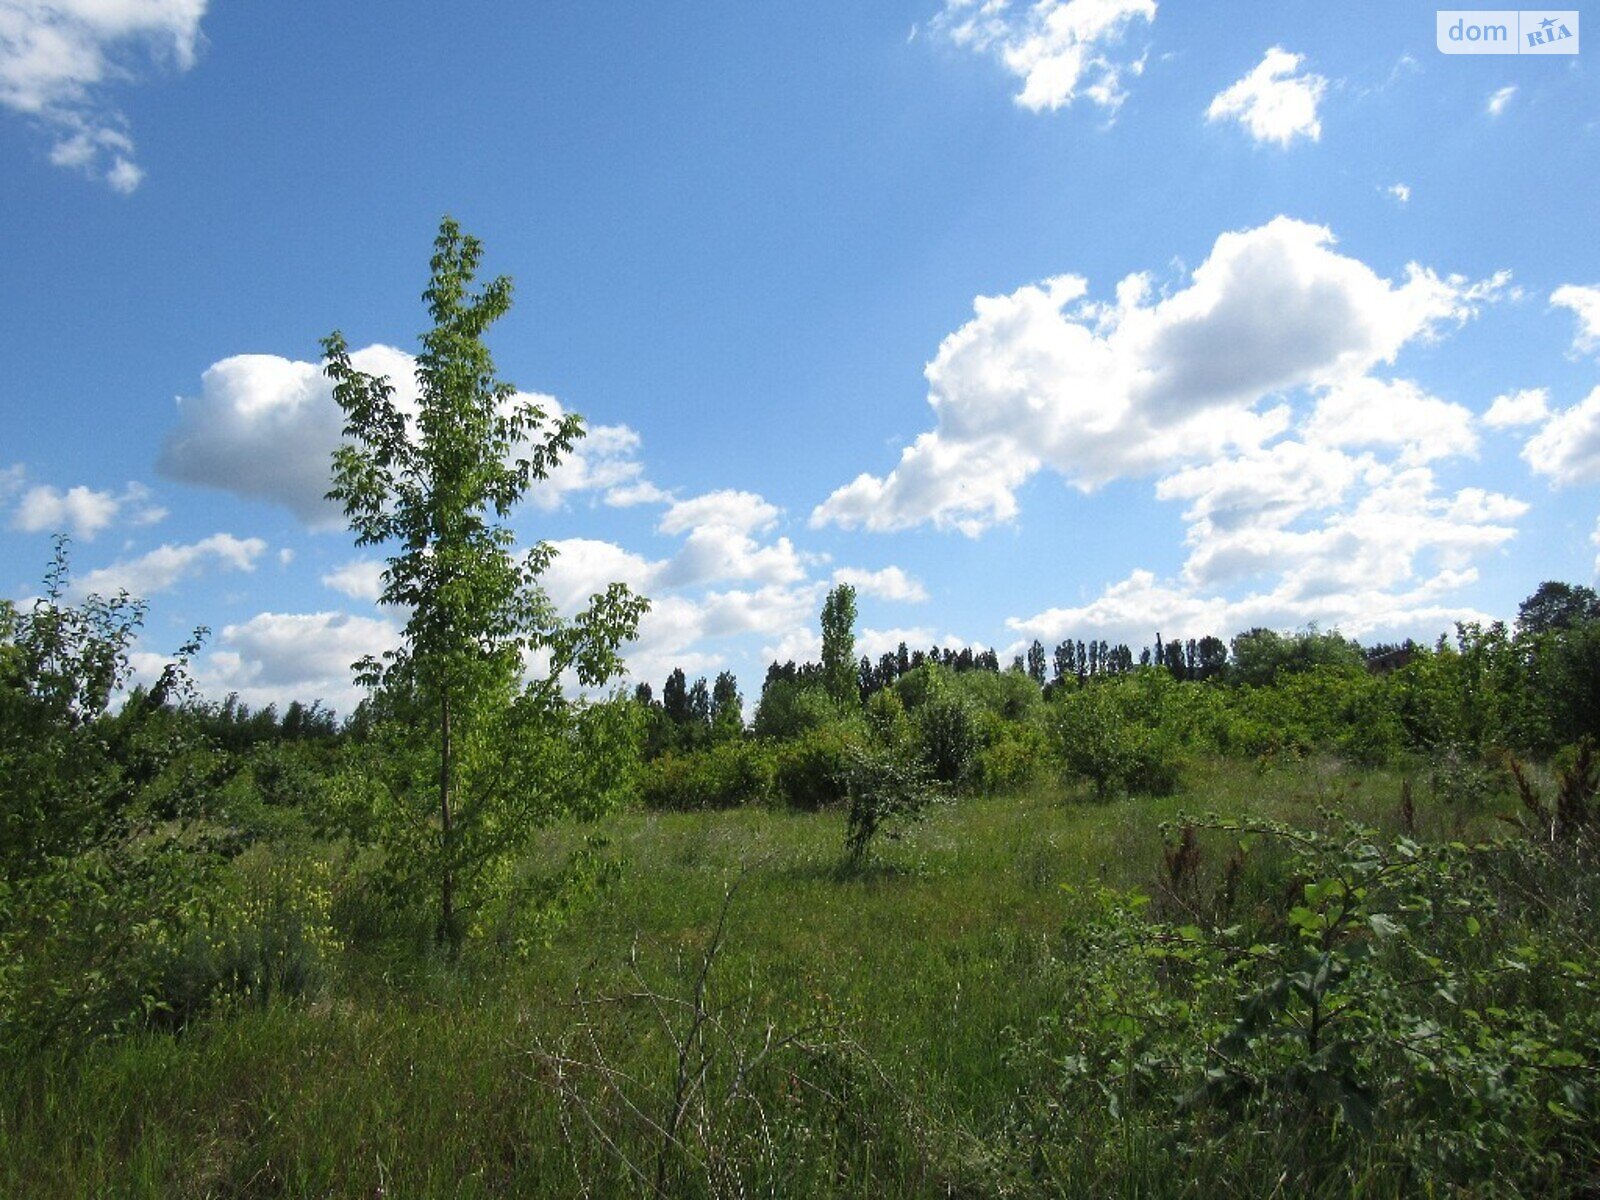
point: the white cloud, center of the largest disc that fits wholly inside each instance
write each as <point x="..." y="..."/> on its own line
<point x="1585" y="302"/>
<point x="58" y="59"/>
<point x="1400" y="193"/>
<point x="889" y="583"/>
<point x="167" y="565"/>
<point x="1135" y="609"/>
<point x="1042" y="378"/>
<point x="583" y="567"/>
<point x="1500" y="100"/>
<point x="277" y="657"/>
<point x="1594" y="538"/>
<point x="1060" y="49"/>
<point x="360" y="579"/>
<point x="719" y="531"/>
<point x="1567" y="448"/>
<point x="744" y="512"/>
<point x="1384" y="564"/>
<point x="82" y="511"/>
<point x="1391" y="412"/>
<point x="265" y="428"/>
<point x="1527" y="407"/>
<point x="1273" y="102"/>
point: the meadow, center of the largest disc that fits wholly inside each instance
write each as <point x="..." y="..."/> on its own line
<point x="742" y="1011"/>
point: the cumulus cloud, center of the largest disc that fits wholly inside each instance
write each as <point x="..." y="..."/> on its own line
<point x="1276" y="103"/>
<point x="59" y="59"/>
<point x="1500" y="100"/>
<point x="360" y="579"/>
<point x="276" y="657"/>
<point x="265" y="428"/>
<point x="82" y="511"/>
<point x="1567" y="448"/>
<point x="1400" y="193"/>
<point x="1043" y="378"/>
<point x="167" y="565"/>
<point x="1585" y="302"/>
<point x="719" y="531"/>
<point x="1059" y="49"/>
<point x="1136" y="608"/>
<point x="1391" y="412"/>
<point x="1527" y="407"/>
<point x="889" y="583"/>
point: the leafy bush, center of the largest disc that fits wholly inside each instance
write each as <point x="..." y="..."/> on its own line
<point x="884" y="787"/>
<point x="1372" y="1021"/>
<point x="811" y="770"/>
<point x="723" y="776"/>
<point x="1011" y="756"/>
<point x="1101" y="741"/>
<point x="947" y="737"/>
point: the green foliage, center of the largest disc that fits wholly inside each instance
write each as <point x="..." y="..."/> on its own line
<point x="1261" y="656"/>
<point x="885" y="789"/>
<point x="839" y="646"/>
<point x="1101" y="738"/>
<point x="725" y="775"/>
<point x="1371" y="1017"/>
<point x="436" y="488"/>
<point x="946" y="737"/>
<point x="790" y="708"/>
<point x="266" y="932"/>
<point x="100" y="874"/>
<point x="1011" y="756"/>
<point x="812" y="770"/>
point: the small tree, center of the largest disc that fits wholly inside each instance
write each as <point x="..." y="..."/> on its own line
<point x="435" y="488"/>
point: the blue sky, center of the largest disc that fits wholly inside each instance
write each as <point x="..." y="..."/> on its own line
<point x="1098" y="318"/>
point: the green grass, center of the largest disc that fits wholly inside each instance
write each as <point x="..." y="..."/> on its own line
<point x="427" y="1082"/>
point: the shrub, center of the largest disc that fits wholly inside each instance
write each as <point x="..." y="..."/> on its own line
<point x="1011" y="756"/>
<point x="812" y="769"/>
<point x="884" y="787"/>
<point x="947" y="737"/>
<point x="724" y="776"/>
<point x="1101" y="742"/>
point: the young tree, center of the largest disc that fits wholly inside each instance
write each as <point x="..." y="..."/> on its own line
<point x="839" y="646"/>
<point x="435" y="487"/>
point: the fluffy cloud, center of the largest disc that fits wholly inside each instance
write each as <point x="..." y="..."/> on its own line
<point x="167" y="565"/>
<point x="1378" y="412"/>
<point x="82" y="511"/>
<point x="1060" y="49"/>
<point x="1043" y="378"/>
<point x="1135" y="609"/>
<point x="1275" y="104"/>
<point x="360" y="579"/>
<point x="890" y="583"/>
<point x="719" y="531"/>
<point x="1400" y="193"/>
<point x="57" y="58"/>
<point x="277" y="657"/>
<point x="1500" y="100"/>
<point x="1567" y="448"/>
<point x="1585" y="302"/>
<point x="1527" y="407"/>
<point x="1300" y="533"/>
<point x="265" y="428"/>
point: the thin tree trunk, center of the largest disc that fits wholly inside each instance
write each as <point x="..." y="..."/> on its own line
<point x="447" y="932"/>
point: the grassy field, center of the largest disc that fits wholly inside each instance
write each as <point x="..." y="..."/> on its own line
<point x="904" y="987"/>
